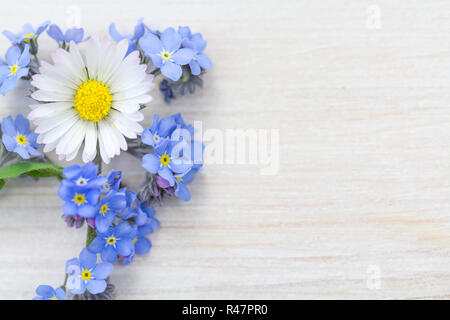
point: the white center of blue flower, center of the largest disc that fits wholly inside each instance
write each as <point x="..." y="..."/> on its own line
<point x="81" y="181"/>
<point x="107" y="186"/>
<point x="156" y="138"/>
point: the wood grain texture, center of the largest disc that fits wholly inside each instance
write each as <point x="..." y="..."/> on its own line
<point x="363" y="185"/>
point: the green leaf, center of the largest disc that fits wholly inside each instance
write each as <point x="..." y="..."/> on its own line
<point x="2" y="183"/>
<point x="45" y="173"/>
<point x="90" y="235"/>
<point x="33" y="169"/>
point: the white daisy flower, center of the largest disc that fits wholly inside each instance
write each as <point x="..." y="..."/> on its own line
<point x="94" y="98"/>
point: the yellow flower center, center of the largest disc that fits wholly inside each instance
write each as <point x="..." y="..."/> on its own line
<point x="103" y="209"/>
<point x="79" y="199"/>
<point x="21" y="139"/>
<point x="134" y="240"/>
<point x="93" y="100"/>
<point x="165" y="55"/>
<point x="86" y="275"/>
<point x="54" y="298"/>
<point x="28" y="37"/>
<point x="111" y="240"/>
<point x="14" y="69"/>
<point x="178" y="178"/>
<point x="165" y="160"/>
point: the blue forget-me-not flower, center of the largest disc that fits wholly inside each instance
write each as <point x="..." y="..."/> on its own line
<point x="86" y="274"/>
<point x="142" y="244"/>
<point x="79" y="201"/>
<point x="167" y="161"/>
<point x="159" y="130"/>
<point x="107" y="209"/>
<point x="197" y="44"/>
<point x="18" y="138"/>
<point x="15" y="68"/>
<point x="72" y="34"/>
<point x="84" y="176"/>
<point x="114" y="241"/>
<point x="27" y="33"/>
<point x="139" y="31"/>
<point x="166" y="53"/>
<point x="113" y="180"/>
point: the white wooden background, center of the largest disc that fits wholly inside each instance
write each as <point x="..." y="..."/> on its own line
<point x="360" y="207"/>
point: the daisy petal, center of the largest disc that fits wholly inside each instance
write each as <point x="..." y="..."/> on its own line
<point x="90" y="143"/>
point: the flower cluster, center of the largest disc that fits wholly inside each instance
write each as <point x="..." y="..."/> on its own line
<point x="99" y="200"/>
<point x="86" y="279"/>
<point x="176" y="156"/>
<point x="119" y="221"/>
<point x="88" y="104"/>
<point x="18" y="63"/>
<point x="177" y="54"/>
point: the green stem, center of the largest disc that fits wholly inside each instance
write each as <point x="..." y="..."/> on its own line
<point x="156" y="72"/>
<point x="37" y="60"/>
<point x="134" y="153"/>
<point x="98" y="161"/>
<point x="91" y="233"/>
<point x="65" y="282"/>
